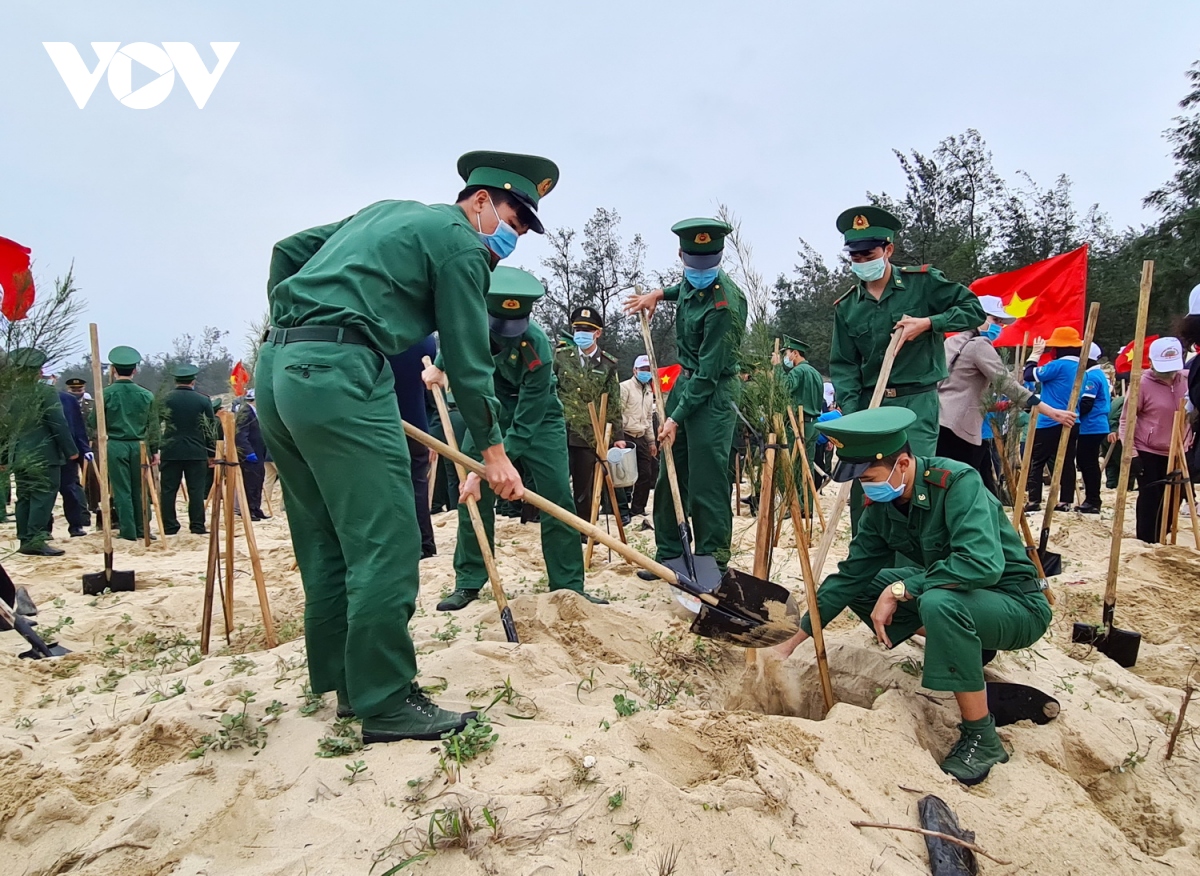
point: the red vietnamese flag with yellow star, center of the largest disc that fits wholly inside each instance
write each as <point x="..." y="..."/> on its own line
<point x="667" y="376"/>
<point x="1042" y="296"/>
<point x="15" y="280"/>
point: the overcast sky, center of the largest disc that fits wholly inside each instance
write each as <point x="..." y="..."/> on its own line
<point x="787" y="111"/>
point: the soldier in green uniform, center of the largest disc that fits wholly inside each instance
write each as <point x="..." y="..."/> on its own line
<point x="918" y="299"/>
<point x="131" y="417"/>
<point x="710" y="320"/>
<point x="188" y="443"/>
<point x="807" y="394"/>
<point x="343" y="297"/>
<point x="973" y="588"/>
<point x="531" y="420"/>
<point x="43" y="446"/>
<point x="574" y="361"/>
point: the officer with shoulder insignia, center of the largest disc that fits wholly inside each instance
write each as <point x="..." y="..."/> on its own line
<point x="131" y="417"/>
<point x="918" y="299"/>
<point x="807" y="393"/>
<point x="189" y="442"/>
<point x="343" y="298"/>
<point x="710" y="320"/>
<point x="43" y="446"/>
<point x="531" y="420"/>
<point x="971" y="590"/>
<point x="582" y="355"/>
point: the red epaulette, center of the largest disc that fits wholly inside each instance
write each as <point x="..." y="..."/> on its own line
<point x="939" y="477"/>
<point x="529" y="354"/>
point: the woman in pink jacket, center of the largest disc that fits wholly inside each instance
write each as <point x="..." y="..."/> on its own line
<point x="1161" y="390"/>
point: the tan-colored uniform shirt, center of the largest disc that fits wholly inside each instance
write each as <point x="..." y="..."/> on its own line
<point x="637" y="408"/>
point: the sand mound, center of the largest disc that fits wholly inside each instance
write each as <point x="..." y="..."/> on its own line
<point x="624" y="741"/>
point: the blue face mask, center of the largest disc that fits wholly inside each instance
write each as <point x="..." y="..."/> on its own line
<point x="992" y="332"/>
<point x="583" y="340"/>
<point x="883" y="491"/>
<point x="700" y="279"/>
<point x="503" y="240"/>
<point x="643" y="376"/>
<point x="869" y="271"/>
<point x="788" y="364"/>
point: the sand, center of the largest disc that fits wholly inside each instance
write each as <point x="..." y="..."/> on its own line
<point x="727" y="769"/>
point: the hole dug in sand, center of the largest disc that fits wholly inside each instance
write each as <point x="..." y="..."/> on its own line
<point x="859" y="673"/>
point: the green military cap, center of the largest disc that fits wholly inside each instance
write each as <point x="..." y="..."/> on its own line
<point x="217" y="401"/>
<point x="701" y="236"/>
<point x="864" y="437"/>
<point x="790" y="343"/>
<point x="124" y="357"/>
<point x="185" y="371"/>
<point x="528" y="177"/>
<point x="867" y="227"/>
<point x="511" y="298"/>
<point x="27" y="357"/>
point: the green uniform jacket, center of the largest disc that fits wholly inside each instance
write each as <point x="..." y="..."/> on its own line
<point x="955" y="529"/>
<point x="130" y="413"/>
<point x="806" y="388"/>
<point x="397" y="270"/>
<point x="189" y="427"/>
<point x="568" y="369"/>
<point x="525" y="385"/>
<point x="47" y="440"/>
<point x="862" y="328"/>
<point x="709" y="325"/>
<point x="1114" y="414"/>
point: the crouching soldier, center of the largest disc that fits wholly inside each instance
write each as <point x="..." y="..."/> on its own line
<point x="975" y="589"/>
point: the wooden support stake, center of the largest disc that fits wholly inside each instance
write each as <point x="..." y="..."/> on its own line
<point x="601" y="429"/>
<point x="935" y="833"/>
<point x="1170" y="502"/>
<point x="1188" y="490"/>
<point x="1131" y="403"/>
<point x="255" y="560"/>
<point x="762" y="535"/>
<point x="212" y="575"/>
<point x="145" y="486"/>
<point x="798" y="426"/>
<point x="154" y="487"/>
<point x="1020" y="521"/>
<point x="231" y="463"/>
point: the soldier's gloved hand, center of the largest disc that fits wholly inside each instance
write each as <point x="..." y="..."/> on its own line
<point x="434" y="376"/>
<point x="251" y="457"/>
<point x="502" y="476"/>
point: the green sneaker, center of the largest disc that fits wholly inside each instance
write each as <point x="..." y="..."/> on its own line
<point x="978" y="750"/>
<point x="418" y="718"/>
<point x="458" y="599"/>
<point x="344" y="709"/>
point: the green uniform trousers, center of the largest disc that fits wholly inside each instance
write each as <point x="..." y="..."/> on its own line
<point x="328" y="413"/>
<point x="125" y="480"/>
<point x="171" y="473"/>
<point x="546" y="472"/>
<point x="701" y="451"/>
<point x="959" y="625"/>
<point x="922" y="435"/>
<point x="36" y="492"/>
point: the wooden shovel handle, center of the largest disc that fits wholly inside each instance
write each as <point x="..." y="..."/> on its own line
<point x="669" y="456"/>
<point x="543" y="504"/>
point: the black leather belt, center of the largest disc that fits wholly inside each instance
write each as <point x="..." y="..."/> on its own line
<point x="331" y="333"/>
<point x="911" y="389"/>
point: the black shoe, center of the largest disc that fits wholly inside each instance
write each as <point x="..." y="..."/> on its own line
<point x="344" y="709"/>
<point x="1064" y="506"/>
<point x="646" y="527"/>
<point x="647" y="576"/>
<point x="1088" y="508"/>
<point x="626" y="519"/>
<point x="426" y="553"/>
<point x="1032" y="507"/>
<point x="77" y="531"/>
<point x="457" y="600"/>
<point x="43" y="551"/>
<point x="1112" y="486"/>
<point x="259" y="516"/>
<point x="200" y="531"/>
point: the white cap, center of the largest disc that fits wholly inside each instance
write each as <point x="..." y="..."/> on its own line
<point x="994" y="308"/>
<point x="828" y="388"/>
<point x="1094" y="351"/>
<point x="641" y="362"/>
<point x="1194" y="301"/>
<point x="1166" y="355"/>
<point x="250" y="394"/>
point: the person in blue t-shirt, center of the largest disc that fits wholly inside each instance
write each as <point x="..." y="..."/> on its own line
<point x="824" y="463"/>
<point x="1095" y="434"/>
<point x="1057" y="378"/>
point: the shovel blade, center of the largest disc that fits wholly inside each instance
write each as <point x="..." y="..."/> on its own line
<point x="510" y="625"/>
<point x="96" y="583"/>
<point x="708" y="575"/>
<point x="1120" y="646"/>
<point x="40" y="649"/>
<point x="1009" y="703"/>
<point x="751" y="613"/>
<point x="1051" y="563"/>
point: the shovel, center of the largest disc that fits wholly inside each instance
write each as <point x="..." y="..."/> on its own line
<point x="703" y="570"/>
<point x="485" y="549"/>
<point x="1122" y="645"/>
<point x="741" y="610"/>
<point x="95" y="583"/>
<point x="21" y="624"/>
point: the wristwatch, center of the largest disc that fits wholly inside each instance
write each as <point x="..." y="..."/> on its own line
<point x="899" y="592"/>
